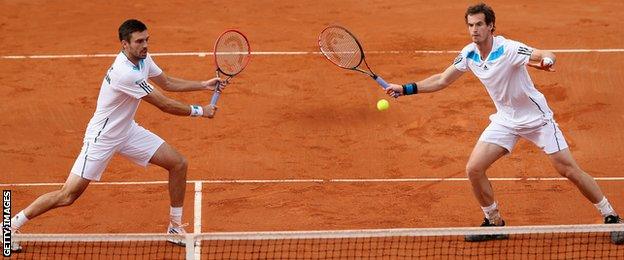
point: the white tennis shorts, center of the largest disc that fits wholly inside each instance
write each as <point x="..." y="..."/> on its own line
<point x="547" y="137"/>
<point x="139" y="147"/>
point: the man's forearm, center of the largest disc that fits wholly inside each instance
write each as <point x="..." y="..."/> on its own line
<point x="430" y="84"/>
<point x="539" y="55"/>
<point x="175" y="107"/>
<point x="182" y="85"/>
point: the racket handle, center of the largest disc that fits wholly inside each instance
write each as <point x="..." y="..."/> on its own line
<point x="215" y="95"/>
<point x="384" y="84"/>
<point x="381" y="82"/>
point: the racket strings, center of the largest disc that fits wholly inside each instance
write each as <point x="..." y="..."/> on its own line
<point x="232" y="53"/>
<point x="340" y="47"/>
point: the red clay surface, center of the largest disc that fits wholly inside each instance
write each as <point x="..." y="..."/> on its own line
<point x="299" y="117"/>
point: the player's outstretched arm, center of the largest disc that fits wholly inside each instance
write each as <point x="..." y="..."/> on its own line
<point x="543" y="60"/>
<point x="172" y="84"/>
<point x="428" y="85"/>
<point x="175" y="107"/>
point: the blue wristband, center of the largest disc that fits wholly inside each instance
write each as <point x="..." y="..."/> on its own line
<point x="410" y="89"/>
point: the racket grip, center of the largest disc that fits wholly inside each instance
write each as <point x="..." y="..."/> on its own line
<point x="381" y="82"/>
<point x="215" y="95"/>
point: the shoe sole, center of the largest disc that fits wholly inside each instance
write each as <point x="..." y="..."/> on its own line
<point x="177" y="242"/>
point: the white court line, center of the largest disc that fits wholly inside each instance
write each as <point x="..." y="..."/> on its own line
<point x="203" y="54"/>
<point x="276" y="181"/>
<point x="197" y="217"/>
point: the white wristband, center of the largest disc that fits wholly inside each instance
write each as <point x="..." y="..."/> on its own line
<point x="196" y="111"/>
<point x="546" y="62"/>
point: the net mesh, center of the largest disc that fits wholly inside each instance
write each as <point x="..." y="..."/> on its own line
<point x="340" y="47"/>
<point x="100" y="250"/>
<point x="99" y="246"/>
<point x="540" y="242"/>
<point x="232" y="52"/>
<point x="559" y="246"/>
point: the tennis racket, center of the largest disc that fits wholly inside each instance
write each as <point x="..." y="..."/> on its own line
<point x="342" y="48"/>
<point x="232" y="54"/>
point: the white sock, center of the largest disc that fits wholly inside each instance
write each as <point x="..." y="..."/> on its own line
<point x="176" y="215"/>
<point x="491" y="212"/>
<point x="18" y="220"/>
<point x="605" y="207"/>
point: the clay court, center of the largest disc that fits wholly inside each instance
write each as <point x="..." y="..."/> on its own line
<point x="308" y="130"/>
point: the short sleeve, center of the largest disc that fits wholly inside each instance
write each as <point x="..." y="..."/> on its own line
<point x="518" y="53"/>
<point x="460" y="62"/>
<point x="133" y="85"/>
<point x="153" y="69"/>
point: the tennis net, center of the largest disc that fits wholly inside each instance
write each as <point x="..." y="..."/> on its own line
<point x="524" y="242"/>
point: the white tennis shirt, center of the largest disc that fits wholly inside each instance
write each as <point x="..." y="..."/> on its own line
<point x="120" y="94"/>
<point x="518" y="103"/>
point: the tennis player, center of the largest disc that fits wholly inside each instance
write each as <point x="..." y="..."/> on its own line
<point x="112" y="128"/>
<point x="521" y="112"/>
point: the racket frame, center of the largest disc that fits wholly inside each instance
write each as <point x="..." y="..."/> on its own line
<point x="370" y="72"/>
<point x="218" y="71"/>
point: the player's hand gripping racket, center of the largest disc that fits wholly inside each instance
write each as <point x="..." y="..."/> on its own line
<point x="231" y="53"/>
<point x="342" y="48"/>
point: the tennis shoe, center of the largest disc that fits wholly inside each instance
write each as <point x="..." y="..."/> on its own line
<point x="480" y="238"/>
<point x="177" y="229"/>
<point x="617" y="237"/>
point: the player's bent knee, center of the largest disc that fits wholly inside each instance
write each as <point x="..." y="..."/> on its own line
<point x="66" y="199"/>
<point x="474" y="171"/>
<point x="182" y="163"/>
<point x="570" y="172"/>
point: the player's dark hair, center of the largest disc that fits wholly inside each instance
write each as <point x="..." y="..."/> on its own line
<point x="128" y="27"/>
<point x="484" y="9"/>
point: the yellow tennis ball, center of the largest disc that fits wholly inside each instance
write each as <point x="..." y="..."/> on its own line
<point x="382" y="104"/>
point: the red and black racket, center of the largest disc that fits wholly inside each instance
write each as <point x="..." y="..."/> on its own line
<point x="342" y="48"/>
<point x="232" y="54"/>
